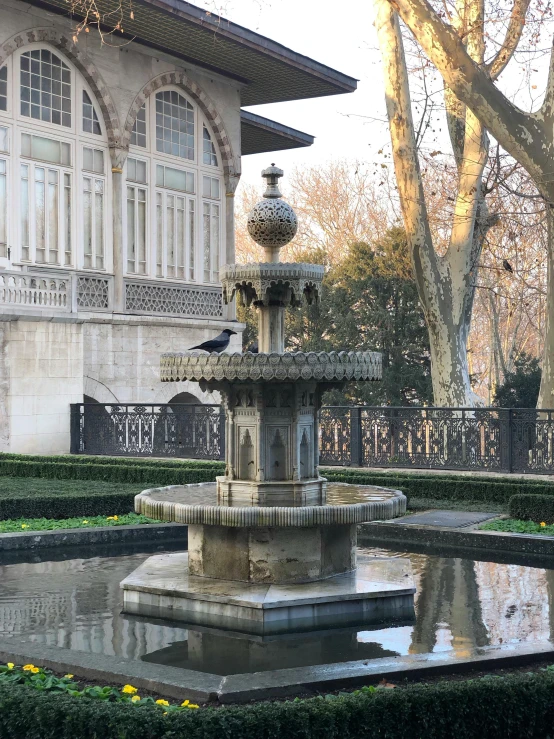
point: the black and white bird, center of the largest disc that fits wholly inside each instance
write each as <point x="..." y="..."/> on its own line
<point x="217" y="345"/>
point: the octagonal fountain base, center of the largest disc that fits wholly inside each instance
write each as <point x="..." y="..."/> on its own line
<point x="378" y="590"/>
<point x="268" y="570"/>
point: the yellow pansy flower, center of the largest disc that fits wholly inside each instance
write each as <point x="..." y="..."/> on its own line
<point x="162" y="702"/>
<point x="85" y="521"/>
<point x="135" y="698"/>
<point x="28" y="668"/>
<point x="543" y="523"/>
<point x="24" y="526"/>
<point x="68" y="676"/>
<point x="129" y="689"/>
<point x="35" y="670"/>
<point x="188" y="704"/>
<point x="10" y="665"/>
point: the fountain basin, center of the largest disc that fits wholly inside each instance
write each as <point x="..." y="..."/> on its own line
<point x="270" y="569"/>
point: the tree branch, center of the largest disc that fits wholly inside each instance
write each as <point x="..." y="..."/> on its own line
<point x="522" y="135"/>
<point x="511" y="40"/>
<point x="406" y="163"/>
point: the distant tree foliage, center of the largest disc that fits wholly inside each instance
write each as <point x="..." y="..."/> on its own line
<point x="520" y="388"/>
<point x="369" y="302"/>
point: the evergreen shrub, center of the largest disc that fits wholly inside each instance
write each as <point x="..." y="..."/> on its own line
<point x="518" y="706"/>
<point x="445" y="487"/>
<point x="537" y="508"/>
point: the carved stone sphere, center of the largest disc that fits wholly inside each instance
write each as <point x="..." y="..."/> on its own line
<point x="272" y="222"/>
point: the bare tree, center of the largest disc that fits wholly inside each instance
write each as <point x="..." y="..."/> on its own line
<point x="528" y="137"/>
<point x="446" y="281"/>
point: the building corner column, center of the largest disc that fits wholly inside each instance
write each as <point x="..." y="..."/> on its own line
<point x="118" y="156"/>
<point x="231" y="183"/>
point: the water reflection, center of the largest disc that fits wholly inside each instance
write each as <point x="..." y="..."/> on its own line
<point x="460" y="604"/>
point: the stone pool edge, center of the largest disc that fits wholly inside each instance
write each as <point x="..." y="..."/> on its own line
<point x="374" y="533"/>
<point x="128" y="534"/>
<point x="203" y="687"/>
<point x="386" y="534"/>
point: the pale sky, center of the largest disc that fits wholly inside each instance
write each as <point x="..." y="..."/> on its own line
<point x="340" y="36"/>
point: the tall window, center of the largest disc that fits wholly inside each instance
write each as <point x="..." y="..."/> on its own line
<point x="91" y="124"/>
<point x="174" y="125"/>
<point x="53" y="162"/>
<point x="4" y="88"/>
<point x="208" y="152"/>
<point x="173" y="213"/>
<point x="45" y="87"/>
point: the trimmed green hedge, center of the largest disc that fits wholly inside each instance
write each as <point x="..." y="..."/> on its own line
<point x="127" y="461"/>
<point x="519" y="706"/>
<point x="446" y="487"/>
<point x="67" y="506"/>
<point x="122" y="472"/>
<point x="535" y="508"/>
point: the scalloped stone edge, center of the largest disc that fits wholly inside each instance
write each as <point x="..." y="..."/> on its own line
<point x="291" y="366"/>
<point x="278" y="516"/>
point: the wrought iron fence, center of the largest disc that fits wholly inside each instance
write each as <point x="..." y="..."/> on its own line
<point x="176" y="430"/>
<point x="494" y="439"/>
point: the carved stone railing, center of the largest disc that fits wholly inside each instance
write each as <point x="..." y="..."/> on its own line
<point x="54" y="291"/>
<point x="31" y="291"/>
<point x="173" y="299"/>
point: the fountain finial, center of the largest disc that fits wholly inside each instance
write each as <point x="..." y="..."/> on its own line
<point x="272" y="175"/>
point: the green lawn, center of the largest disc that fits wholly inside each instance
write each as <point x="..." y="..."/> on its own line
<point x="50" y="524"/>
<point x="514" y="526"/>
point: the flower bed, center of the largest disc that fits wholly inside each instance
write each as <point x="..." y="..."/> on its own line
<point x="46" y="681"/>
<point x="516" y="526"/>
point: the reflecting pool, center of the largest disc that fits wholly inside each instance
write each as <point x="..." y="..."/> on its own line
<point x="460" y="604"/>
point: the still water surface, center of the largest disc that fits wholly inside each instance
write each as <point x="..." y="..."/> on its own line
<point x="460" y="604"/>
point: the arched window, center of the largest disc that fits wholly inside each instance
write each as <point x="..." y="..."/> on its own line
<point x="53" y="164"/>
<point x="174" y="192"/>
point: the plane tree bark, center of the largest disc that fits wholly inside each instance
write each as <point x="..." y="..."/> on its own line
<point x="528" y="137"/>
<point x="446" y="283"/>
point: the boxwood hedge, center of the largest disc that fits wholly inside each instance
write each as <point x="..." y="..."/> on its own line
<point x="446" y="487"/>
<point x="535" y="508"/>
<point x="122" y="472"/>
<point x="128" y="461"/>
<point x="518" y="706"/>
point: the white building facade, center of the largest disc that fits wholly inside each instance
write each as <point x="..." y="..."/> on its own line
<point x="118" y="168"/>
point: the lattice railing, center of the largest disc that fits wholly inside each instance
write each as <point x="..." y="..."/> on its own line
<point x="172" y="299"/>
<point x="94" y="293"/>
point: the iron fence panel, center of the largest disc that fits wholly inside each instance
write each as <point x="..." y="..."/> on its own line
<point x="494" y="439"/>
<point x="176" y="430"/>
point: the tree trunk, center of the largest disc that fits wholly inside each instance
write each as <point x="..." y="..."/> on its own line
<point x="546" y="393"/>
<point x="446" y="284"/>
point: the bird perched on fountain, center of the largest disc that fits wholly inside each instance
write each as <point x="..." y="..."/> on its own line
<point x="253" y="348"/>
<point x="217" y="345"/>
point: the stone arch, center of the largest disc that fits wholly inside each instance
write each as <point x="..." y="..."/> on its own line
<point x="231" y="166"/>
<point x="62" y="42"/>
<point x="98" y="391"/>
<point x="169" y="390"/>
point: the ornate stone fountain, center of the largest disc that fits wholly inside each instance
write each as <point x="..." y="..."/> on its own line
<point x="272" y="544"/>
